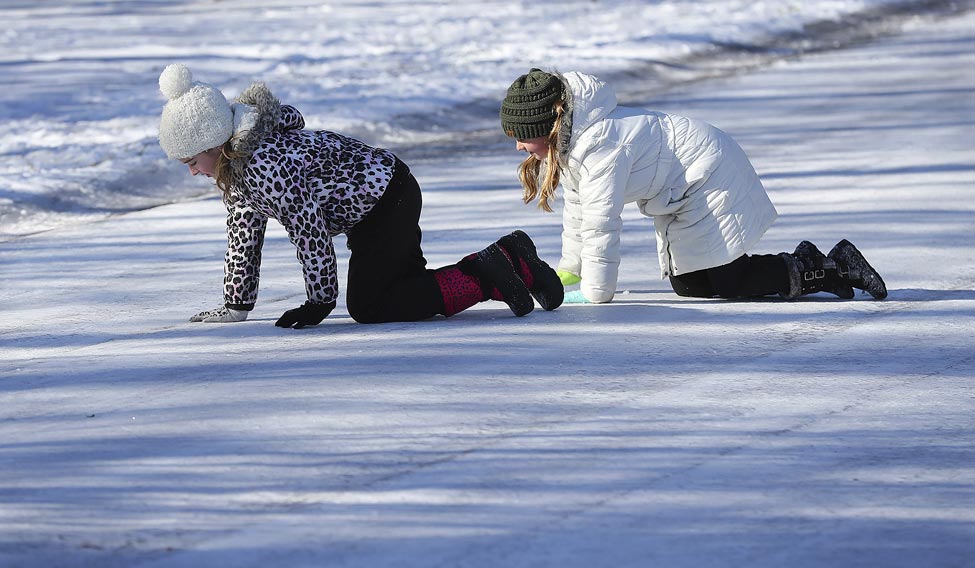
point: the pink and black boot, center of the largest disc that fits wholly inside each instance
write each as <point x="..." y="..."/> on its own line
<point x="485" y="275"/>
<point x="540" y="278"/>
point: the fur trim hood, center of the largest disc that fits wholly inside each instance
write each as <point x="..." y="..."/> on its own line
<point x="588" y="101"/>
<point x="257" y="113"/>
<point x="565" y="130"/>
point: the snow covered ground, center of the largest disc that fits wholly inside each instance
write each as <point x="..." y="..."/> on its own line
<point x="653" y="431"/>
<point x="79" y="106"/>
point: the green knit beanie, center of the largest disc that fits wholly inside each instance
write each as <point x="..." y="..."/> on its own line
<point x="527" y="108"/>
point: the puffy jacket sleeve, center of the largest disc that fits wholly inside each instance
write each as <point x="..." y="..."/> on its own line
<point x="308" y="231"/>
<point x="571" y="229"/>
<point x="316" y="251"/>
<point x="604" y="173"/>
<point x="242" y="262"/>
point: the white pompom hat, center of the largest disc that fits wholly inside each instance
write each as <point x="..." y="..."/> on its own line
<point x="197" y="116"/>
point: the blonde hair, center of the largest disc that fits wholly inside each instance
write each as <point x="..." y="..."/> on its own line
<point x="530" y="170"/>
<point x="224" y="171"/>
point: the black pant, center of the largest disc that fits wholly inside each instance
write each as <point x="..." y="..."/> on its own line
<point x="745" y="277"/>
<point x="388" y="278"/>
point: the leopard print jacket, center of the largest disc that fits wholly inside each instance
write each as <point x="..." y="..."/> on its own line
<point x="316" y="184"/>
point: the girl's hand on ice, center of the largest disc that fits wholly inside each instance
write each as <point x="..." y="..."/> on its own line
<point x="575" y="297"/>
<point x="220" y="315"/>
<point x="308" y="313"/>
<point x="567" y="278"/>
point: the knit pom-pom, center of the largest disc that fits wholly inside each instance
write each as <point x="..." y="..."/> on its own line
<point x="175" y="80"/>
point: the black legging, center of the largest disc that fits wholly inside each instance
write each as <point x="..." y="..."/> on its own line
<point x="388" y="279"/>
<point x="745" y="277"/>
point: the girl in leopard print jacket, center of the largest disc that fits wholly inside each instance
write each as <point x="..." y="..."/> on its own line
<point x="319" y="184"/>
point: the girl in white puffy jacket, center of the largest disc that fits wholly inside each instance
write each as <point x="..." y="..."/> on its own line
<point x="708" y="205"/>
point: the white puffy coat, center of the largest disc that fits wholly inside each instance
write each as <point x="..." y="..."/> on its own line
<point x="707" y="203"/>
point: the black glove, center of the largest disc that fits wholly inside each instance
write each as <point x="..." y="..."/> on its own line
<point x="308" y="313"/>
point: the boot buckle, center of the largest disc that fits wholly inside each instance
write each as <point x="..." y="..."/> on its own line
<point x="811" y="275"/>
